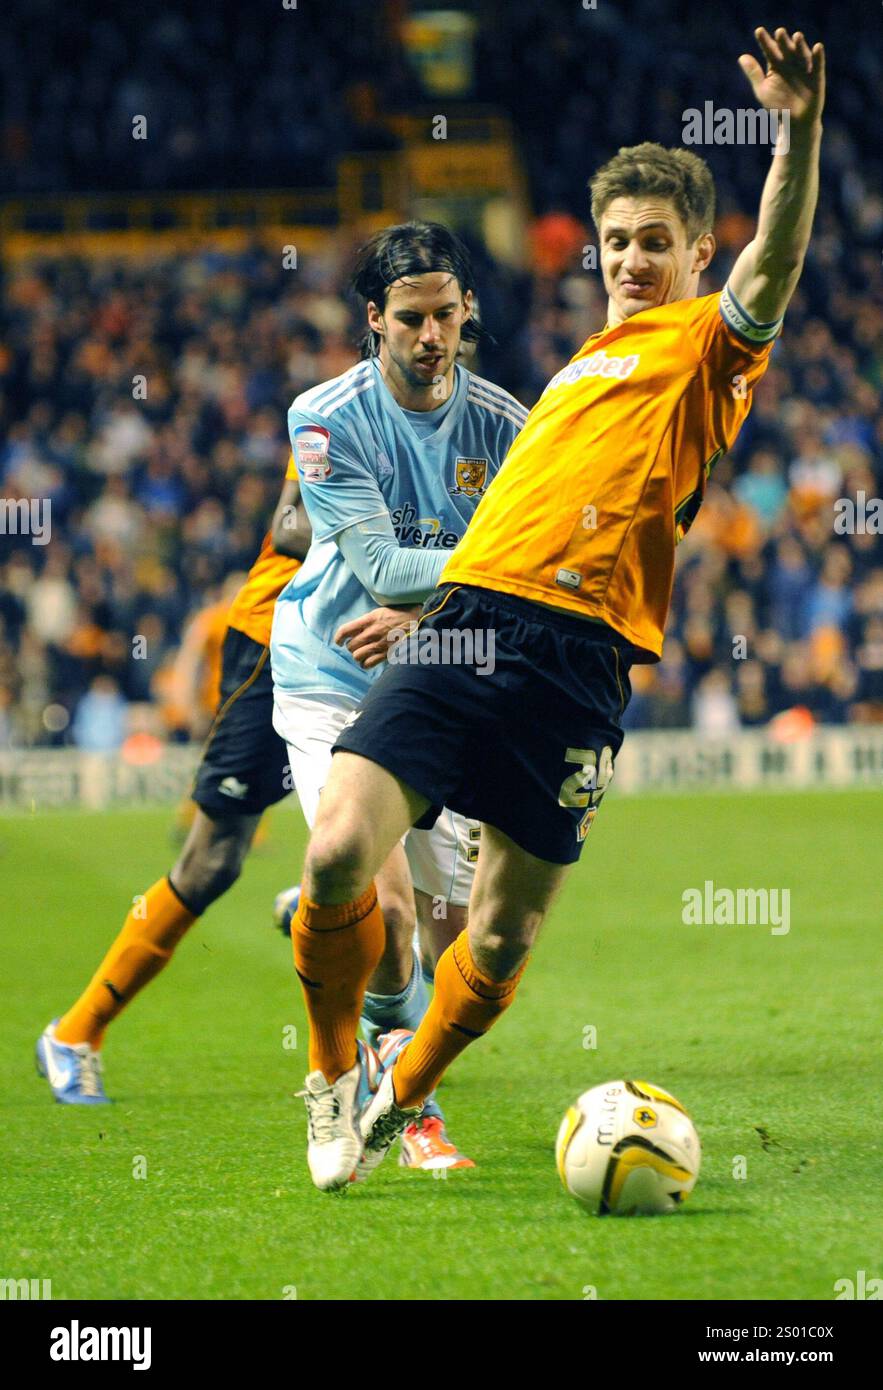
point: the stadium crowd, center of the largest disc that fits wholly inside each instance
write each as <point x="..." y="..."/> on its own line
<point x="155" y="501"/>
<point x="146" y="401"/>
<point x="233" y="96"/>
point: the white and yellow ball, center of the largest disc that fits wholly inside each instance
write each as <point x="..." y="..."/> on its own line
<point x="628" y="1147"/>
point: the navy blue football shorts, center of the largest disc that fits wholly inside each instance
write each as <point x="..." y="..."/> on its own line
<point x="504" y="710"/>
<point x="244" y="767"/>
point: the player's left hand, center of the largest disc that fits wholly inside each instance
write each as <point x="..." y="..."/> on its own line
<point x="794" y="80"/>
<point x="368" y="639"/>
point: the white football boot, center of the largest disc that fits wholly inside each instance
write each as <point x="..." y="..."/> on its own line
<point x="334" y="1145"/>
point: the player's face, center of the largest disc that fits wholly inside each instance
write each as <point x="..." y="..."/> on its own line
<point x="646" y="259"/>
<point x="420" y="327"/>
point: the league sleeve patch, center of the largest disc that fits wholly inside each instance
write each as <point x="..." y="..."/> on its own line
<point x="311" y="445"/>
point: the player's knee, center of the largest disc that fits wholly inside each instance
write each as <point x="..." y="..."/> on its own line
<point x="337" y="866"/>
<point x="205" y="872"/>
<point x="502" y="948"/>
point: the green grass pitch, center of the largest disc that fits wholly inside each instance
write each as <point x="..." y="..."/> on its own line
<point x="772" y="1042"/>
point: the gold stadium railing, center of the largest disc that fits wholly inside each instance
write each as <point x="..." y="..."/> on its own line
<point x="137" y="224"/>
<point x="371" y="192"/>
<point x="153" y="212"/>
<point x="455" y="176"/>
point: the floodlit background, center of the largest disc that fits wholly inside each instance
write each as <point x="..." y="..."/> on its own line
<point x="182" y="189"/>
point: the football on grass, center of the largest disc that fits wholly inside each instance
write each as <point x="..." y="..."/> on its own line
<point x="628" y="1147"/>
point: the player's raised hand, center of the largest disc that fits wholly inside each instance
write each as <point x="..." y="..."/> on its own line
<point x="794" y="80"/>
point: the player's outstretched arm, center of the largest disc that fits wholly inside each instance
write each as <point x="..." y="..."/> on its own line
<point x="766" y="273"/>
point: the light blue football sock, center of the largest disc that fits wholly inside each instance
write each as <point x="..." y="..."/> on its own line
<point x="381" y="1013"/>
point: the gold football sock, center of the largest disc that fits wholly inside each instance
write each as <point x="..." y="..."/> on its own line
<point x="157" y="921"/>
<point x="464" y="1006"/>
<point x="336" y="951"/>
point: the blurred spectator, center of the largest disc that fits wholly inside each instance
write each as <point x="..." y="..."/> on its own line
<point x="763" y="489"/>
<point x="100" y="720"/>
<point x="869" y="658"/>
<point x="814" y="475"/>
<point x="556" y="243"/>
<point x="790" y="585"/>
<point x="714" y="708"/>
<point x="752" y="703"/>
<point x="52" y="601"/>
<point x="829" y="601"/>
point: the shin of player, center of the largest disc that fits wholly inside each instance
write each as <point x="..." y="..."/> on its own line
<point x="477" y="976"/>
<point x="336" y="934"/>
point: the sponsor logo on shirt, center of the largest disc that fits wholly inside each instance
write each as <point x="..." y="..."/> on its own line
<point x="598" y="364"/>
<point x="311" y="445"/>
<point x="423" y="531"/>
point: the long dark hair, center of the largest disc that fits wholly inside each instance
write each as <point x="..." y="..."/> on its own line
<point x="410" y="248"/>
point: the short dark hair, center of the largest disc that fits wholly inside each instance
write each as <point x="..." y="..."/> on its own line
<point x="409" y="248"/>
<point x="638" y="170"/>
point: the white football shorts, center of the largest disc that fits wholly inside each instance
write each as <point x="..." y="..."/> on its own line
<point x="441" y="860"/>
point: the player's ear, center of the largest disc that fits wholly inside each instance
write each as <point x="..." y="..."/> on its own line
<point x="705" y="249"/>
<point x="375" y="318"/>
<point x="468" y="305"/>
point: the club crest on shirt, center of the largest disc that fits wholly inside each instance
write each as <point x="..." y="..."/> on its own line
<point x="311" y="445"/>
<point x="470" y="476"/>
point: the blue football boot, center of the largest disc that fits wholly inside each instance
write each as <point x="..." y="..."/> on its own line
<point x="73" y="1070"/>
<point x="284" y="908"/>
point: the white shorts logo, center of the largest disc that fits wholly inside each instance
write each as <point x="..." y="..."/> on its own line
<point x="231" y="786"/>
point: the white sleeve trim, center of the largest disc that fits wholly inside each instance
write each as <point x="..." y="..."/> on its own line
<point x="741" y="322"/>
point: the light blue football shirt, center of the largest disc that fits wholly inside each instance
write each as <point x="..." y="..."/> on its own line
<point x="358" y="456"/>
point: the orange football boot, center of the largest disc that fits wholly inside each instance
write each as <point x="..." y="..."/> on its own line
<point x="426" y="1145"/>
